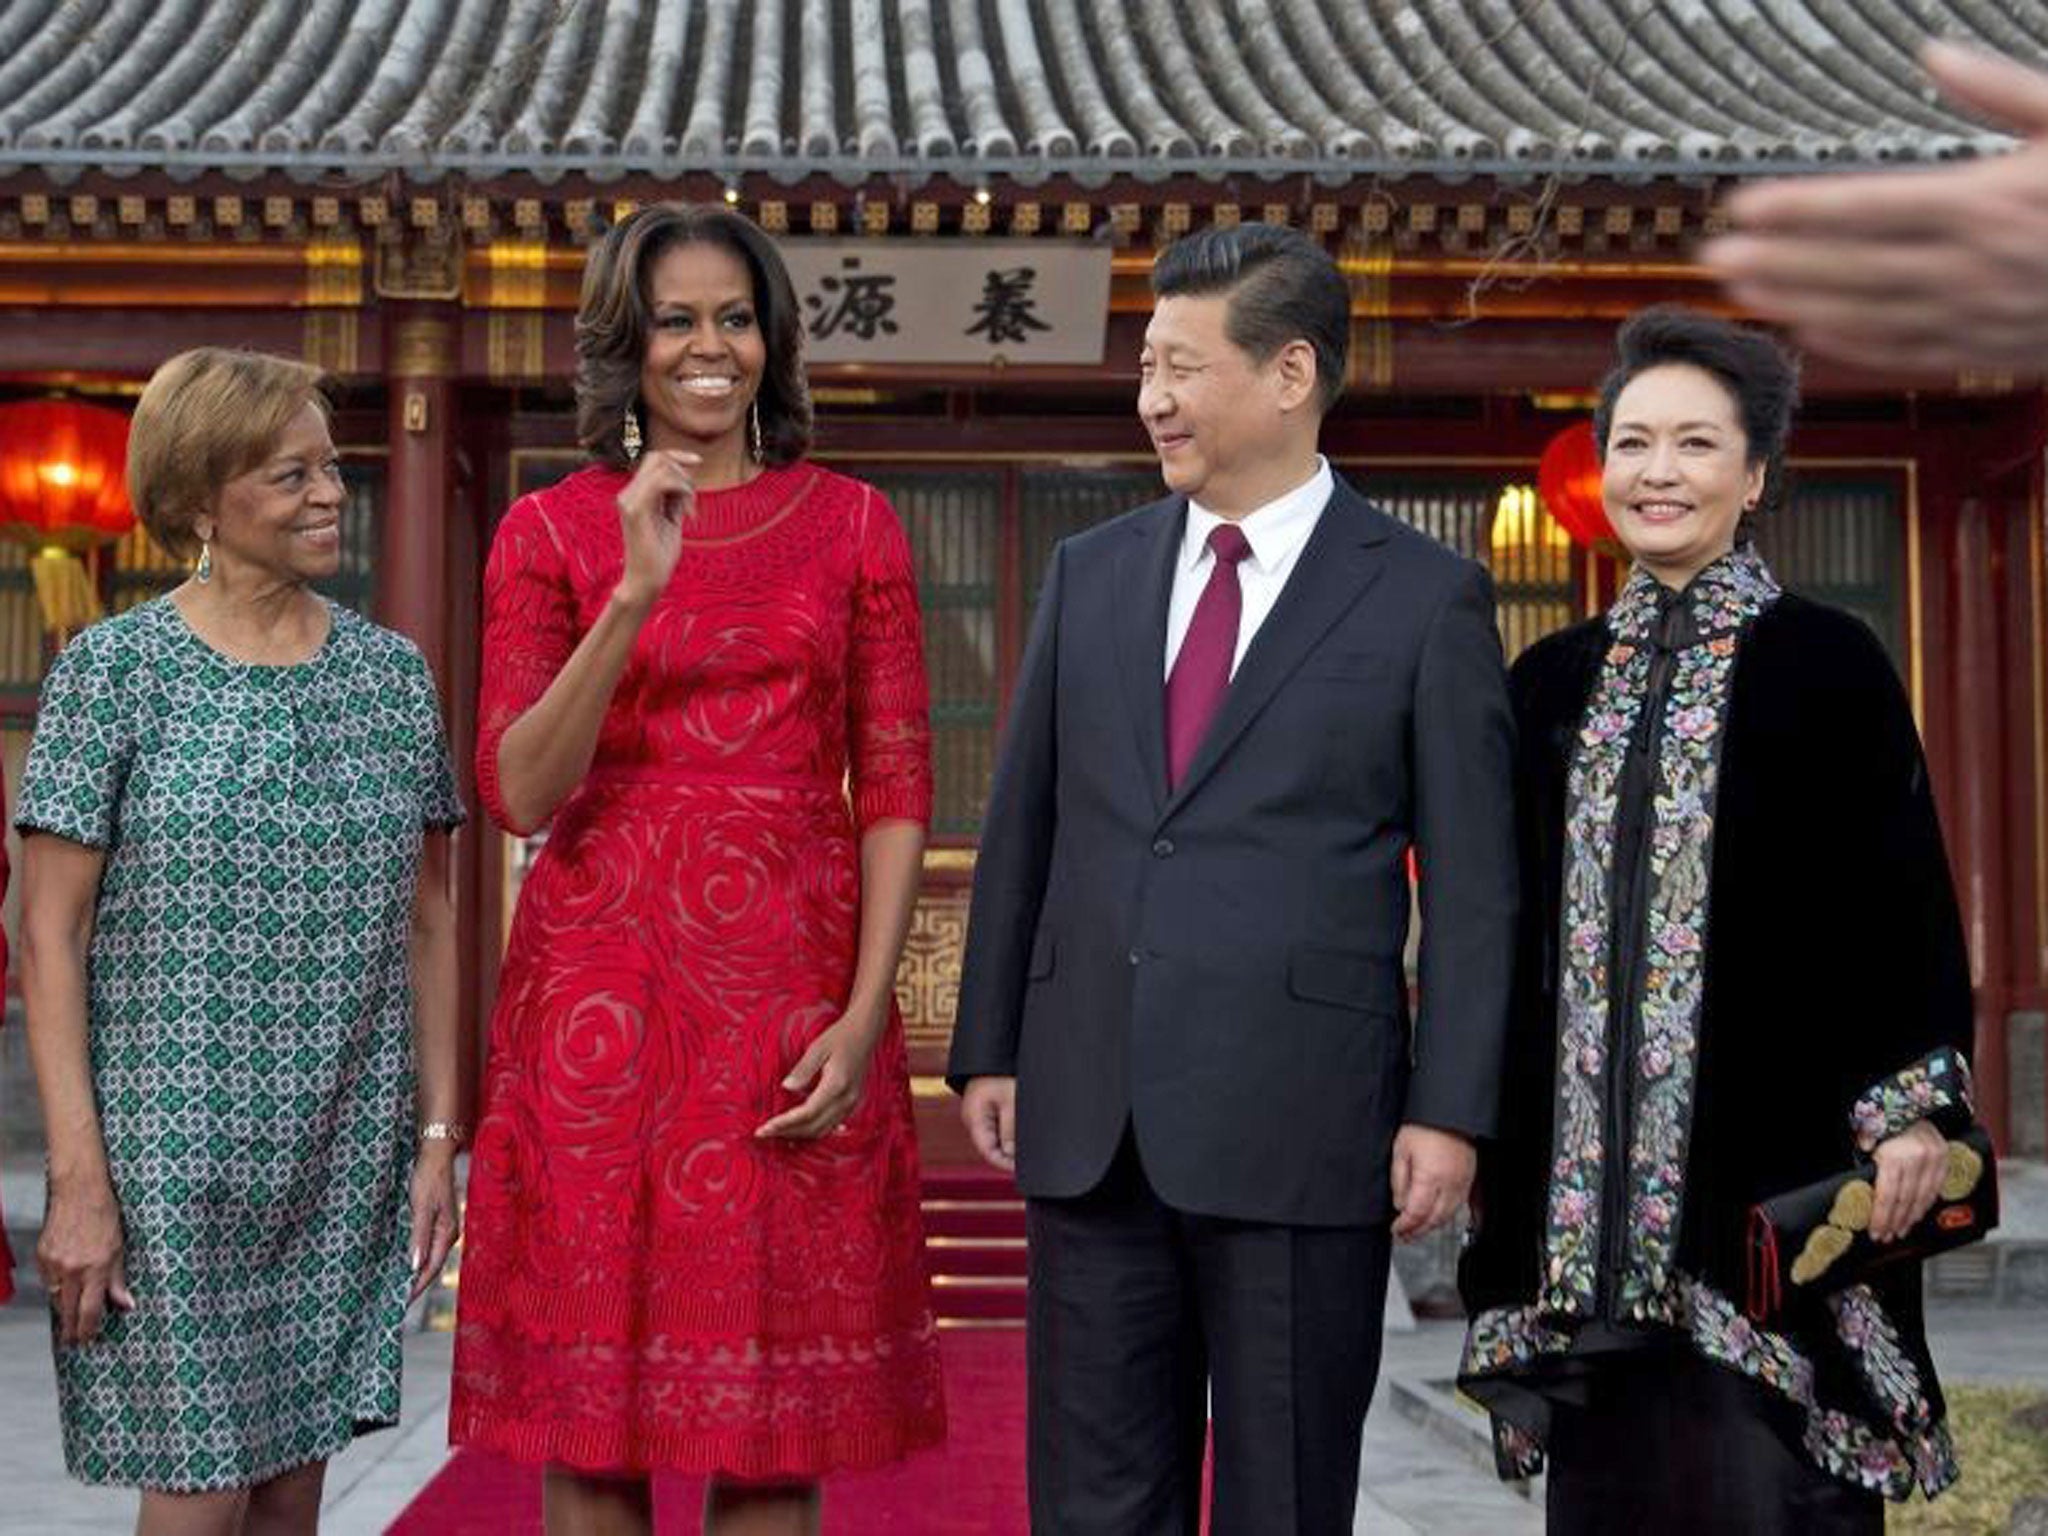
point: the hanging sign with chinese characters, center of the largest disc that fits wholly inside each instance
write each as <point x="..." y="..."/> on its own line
<point x="894" y="301"/>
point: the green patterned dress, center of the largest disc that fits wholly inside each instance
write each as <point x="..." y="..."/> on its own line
<point x="251" y="1032"/>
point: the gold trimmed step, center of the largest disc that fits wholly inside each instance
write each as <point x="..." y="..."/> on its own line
<point x="974" y="1242"/>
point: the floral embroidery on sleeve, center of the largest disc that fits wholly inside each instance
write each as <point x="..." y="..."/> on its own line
<point x="1516" y="1452"/>
<point x="1936" y="1087"/>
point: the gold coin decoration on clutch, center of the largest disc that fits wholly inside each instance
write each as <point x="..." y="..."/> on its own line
<point x="1824" y="1245"/>
<point x="1852" y="1207"/>
<point x="1965" y="1168"/>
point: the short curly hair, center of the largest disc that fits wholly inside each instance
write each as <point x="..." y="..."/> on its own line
<point x="616" y="317"/>
<point x="1760" y="375"/>
<point x="205" y="417"/>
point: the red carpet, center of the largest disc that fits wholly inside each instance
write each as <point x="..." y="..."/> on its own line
<point x="972" y="1486"/>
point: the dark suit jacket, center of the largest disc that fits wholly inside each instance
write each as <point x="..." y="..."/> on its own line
<point x="1221" y="966"/>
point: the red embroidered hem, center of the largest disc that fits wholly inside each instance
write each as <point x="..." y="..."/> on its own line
<point x="793" y="1455"/>
<point x="508" y="1304"/>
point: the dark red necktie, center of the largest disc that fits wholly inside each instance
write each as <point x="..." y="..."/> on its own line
<point x="1201" y="672"/>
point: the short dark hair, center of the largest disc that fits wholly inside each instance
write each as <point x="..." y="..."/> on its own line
<point x="615" y="318"/>
<point x="1282" y="287"/>
<point x="1760" y="375"/>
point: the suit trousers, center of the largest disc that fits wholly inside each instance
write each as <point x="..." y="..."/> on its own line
<point x="1145" y="1320"/>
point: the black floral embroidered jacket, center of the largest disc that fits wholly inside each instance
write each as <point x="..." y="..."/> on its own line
<point x="1741" y="964"/>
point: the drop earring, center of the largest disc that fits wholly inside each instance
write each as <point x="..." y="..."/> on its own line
<point x="629" y="436"/>
<point x="203" y="571"/>
<point x="754" y="431"/>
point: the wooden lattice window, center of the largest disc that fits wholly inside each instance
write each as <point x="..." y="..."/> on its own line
<point x="1493" y="517"/>
<point x="982" y="536"/>
<point x="1841" y="540"/>
<point x="954" y="522"/>
<point x="21" y="624"/>
<point x="1054" y="503"/>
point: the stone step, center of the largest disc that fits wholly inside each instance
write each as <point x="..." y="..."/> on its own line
<point x="2007" y="1272"/>
<point x="2010" y="1267"/>
<point x="1436" y="1406"/>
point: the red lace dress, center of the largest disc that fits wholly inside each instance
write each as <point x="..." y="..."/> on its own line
<point x="644" y="1283"/>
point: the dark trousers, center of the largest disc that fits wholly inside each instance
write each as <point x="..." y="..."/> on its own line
<point x="1671" y="1443"/>
<point x="1145" y="1319"/>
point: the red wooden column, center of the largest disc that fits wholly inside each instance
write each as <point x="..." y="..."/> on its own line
<point x="2023" y="817"/>
<point x="1980" y="503"/>
<point x="476" y="847"/>
<point x="412" y="557"/>
<point x="415" y="595"/>
<point x="1977" y="842"/>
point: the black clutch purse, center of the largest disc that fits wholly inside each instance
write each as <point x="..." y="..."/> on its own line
<point x="1815" y="1240"/>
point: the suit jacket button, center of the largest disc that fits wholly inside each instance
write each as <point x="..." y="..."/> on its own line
<point x="1163" y="848"/>
<point x="1137" y="956"/>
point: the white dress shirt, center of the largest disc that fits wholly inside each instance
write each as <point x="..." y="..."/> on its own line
<point x="1276" y="532"/>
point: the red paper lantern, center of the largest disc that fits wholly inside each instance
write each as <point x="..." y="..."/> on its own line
<point x="1568" y="479"/>
<point x="63" y="475"/>
<point x="63" y="493"/>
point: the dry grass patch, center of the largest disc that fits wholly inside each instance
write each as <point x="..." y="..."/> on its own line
<point x="2002" y="1433"/>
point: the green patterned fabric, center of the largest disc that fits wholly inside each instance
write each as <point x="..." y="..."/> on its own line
<point x="251" y="1032"/>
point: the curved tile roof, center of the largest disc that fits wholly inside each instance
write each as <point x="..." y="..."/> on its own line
<point x="976" y="88"/>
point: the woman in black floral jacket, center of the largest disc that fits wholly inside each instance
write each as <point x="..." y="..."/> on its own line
<point x="1741" y="966"/>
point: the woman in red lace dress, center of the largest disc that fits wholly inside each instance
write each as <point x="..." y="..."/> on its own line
<point x="693" y="1224"/>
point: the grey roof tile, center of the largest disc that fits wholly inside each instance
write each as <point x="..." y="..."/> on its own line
<point x="929" y="133"/>
<point x="1022" y="88"/>
<point x="988" y="136"/>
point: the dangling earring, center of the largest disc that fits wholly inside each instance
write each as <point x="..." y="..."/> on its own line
<point x="203" y="572"/>
<point x="629" y="437"/>
<point x="754" y="431"/>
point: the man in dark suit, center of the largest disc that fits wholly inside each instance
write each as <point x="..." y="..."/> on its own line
<point x="1183" y="1019"/>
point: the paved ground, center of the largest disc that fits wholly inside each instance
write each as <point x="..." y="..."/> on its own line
<point x="1418" y="1481"/>
<point x="1414" y="1481"/>
<point x="366" y="1486"/>
<point x="1417" y="1485"/>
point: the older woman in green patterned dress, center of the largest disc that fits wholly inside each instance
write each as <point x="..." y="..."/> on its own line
<point x="236" y="823"/>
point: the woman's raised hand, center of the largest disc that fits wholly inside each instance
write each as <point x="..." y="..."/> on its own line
<point x="652" y="509"/>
